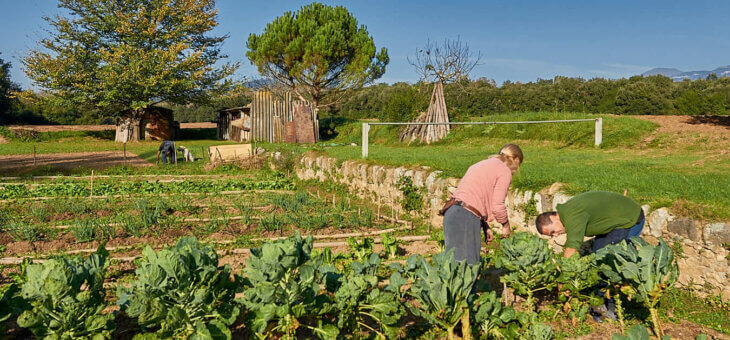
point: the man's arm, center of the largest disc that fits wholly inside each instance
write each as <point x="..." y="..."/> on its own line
<point x="568" y="252"/>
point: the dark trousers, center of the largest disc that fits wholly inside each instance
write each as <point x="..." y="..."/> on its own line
<point x="462" y="233"/>
<point x="619" y="234"/>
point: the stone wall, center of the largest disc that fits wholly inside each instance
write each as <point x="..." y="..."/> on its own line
<point x="705" y="263"/>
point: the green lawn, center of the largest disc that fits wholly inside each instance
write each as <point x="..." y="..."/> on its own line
<point x="690" y="178"/>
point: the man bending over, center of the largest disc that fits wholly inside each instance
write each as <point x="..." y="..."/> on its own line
<point x="608" y="216"/>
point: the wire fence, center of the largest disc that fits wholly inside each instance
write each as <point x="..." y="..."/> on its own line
<point x="598" y="127"/>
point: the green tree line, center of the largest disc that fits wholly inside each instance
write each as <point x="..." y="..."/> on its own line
<point x="655" y="95"/>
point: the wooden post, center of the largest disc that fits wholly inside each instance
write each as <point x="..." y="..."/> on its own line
<point x="92" y="183"/>
<point x="365" y="131"/>
<point x="202" y="153"/>
<point x="34" y="158"/>
<point x="124" y="146"/>
<point x="599" y="131"/>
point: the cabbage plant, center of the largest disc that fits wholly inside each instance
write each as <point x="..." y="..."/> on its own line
<point x="641" y="271"/>
<point x="579" y="276"/>
<point x="66" y="296"/>
<point x="282" y="284"/>
<point x="442" y="289"/>
<point x="359" y="302"/>
<point x="495" y="320"/>
<point x="181" y="292"/>
<point x="529" y="265"/>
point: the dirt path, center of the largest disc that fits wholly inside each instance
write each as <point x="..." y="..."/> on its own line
<point x="712" y="125"/>
<point x="94" y="160"/>
<point x="675" y="132"/>
<point x="53" y="128"/>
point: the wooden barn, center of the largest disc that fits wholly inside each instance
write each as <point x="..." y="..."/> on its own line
<point x="270" y="120"/>
<point x="157" y="123"/>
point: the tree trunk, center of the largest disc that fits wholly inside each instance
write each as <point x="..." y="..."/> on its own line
<point x="127" y="130"/>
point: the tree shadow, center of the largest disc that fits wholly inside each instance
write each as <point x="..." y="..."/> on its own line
<point x="712" y="120"/>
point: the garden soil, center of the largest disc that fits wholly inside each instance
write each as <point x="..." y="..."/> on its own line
<point x="93" y="160"/>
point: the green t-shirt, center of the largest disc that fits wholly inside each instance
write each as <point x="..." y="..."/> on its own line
<point x="596" y="213"/>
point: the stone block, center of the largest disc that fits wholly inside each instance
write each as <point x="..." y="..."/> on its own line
<point x="684" y="227"/>
<point x="716" y="233"/>
<point x="538" y="202"/>
<point x="657" y="221"/>
<point x="559" y="198"/>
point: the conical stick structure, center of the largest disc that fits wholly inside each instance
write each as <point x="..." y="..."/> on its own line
<point x="436" y="114"/>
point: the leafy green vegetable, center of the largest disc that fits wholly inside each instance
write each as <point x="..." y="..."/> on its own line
<point x="66" y="297"/>
<point x="11" y="304"/>
<point x="641" y="270"/>
<point x="282" y="286"/>
<point x="538" y="331"/>
<point x="579" y="276"/>
<point x="494" y="319"/>
<point x="637" y="332"/>
<point x="438" y="236"/>
<point x="77" y="189"/>
<point x="441" y="289"/>
<point x="361" y="250"/>
<point x="529" y="265"/>
<point x="390" y="243"/>
<point x="181" y="292"/>
<point x="358" y="300"/>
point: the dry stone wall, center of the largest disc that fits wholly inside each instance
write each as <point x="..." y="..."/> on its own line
<point x="704" y="263"/>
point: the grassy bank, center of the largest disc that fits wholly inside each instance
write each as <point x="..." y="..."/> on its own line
<point x="693" y="182"/>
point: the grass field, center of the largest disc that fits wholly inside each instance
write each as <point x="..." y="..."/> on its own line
<point x="684" y="175"/>
<point x="687" y="172"/>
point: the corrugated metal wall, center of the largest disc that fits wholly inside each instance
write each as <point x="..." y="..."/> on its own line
<point x="268" y="116"/>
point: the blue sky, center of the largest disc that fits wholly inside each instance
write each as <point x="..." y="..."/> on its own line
<point x="518" y="40"/>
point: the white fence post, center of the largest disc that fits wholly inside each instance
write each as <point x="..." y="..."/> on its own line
<point x="599" y="131"/>
<point x="365" y="131"/>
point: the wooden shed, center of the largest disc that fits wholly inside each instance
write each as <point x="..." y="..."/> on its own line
<point x="270" y="120"/>
<point x="157" y="123"/>
<point x="235" y="124"/>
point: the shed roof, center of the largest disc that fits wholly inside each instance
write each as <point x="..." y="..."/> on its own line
<point x="235" y="109"/>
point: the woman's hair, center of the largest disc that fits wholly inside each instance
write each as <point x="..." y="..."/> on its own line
<point x="511" y="155"/>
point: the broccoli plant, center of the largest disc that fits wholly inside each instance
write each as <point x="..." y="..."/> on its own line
<point x="529" y="265"/>
<point x="441" y="289"/>
<point x="361" y="250"/>
<point x="66" y="297"/>
<point x="494" y="319"/>
<point x="282" y="284"/>
<point x="579" y="276"/>
<point x="390" y="243"/>
<point x="358" y="299"/>
<point x="181" y="292"/>
<point x="641" y="270"/>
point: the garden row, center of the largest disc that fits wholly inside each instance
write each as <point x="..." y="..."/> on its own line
<point x="109" y="220"/>
<point x="277" y="181"/>
<point x="288" y="291"/>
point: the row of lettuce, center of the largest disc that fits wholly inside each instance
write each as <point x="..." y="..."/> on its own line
<point x="287" y="291"/>
<point x="277" y="181"/>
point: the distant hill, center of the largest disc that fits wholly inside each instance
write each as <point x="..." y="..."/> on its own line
<point x="678" y="75"/>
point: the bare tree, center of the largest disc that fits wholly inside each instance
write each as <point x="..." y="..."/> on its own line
<point x="441" y="64"/>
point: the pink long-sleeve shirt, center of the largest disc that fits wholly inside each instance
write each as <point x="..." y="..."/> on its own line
<point x="484" y="187"/>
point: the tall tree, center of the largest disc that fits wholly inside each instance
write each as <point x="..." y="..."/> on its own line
<point x="318" y="52"/>
<point x="112" y="55"/>
<point x="7" y="87"/>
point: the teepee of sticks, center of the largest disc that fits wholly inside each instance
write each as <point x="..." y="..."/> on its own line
<point x="436" y="114"/>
